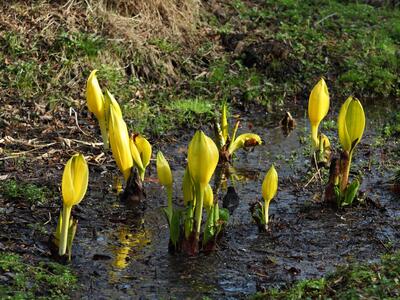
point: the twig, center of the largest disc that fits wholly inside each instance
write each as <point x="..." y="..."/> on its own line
<point x="316" y="166"/>
<point x="49" y="220"/>
<point x="76" y="119"/>
<point x="16" y="154"/>
<point x="311" y="180"/>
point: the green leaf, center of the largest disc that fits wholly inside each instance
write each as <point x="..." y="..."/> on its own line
<point x="338" y="195"/>
<point x="174" y="228"/>
<point x="168" y="214"/>
<point x="188" y="220"/>
<point x="351" y="193"/>
<point x="224" y="214"/>
<point x="209" y="231"/>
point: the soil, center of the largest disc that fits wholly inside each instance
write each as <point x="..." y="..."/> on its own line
<point x="123" y="253"/>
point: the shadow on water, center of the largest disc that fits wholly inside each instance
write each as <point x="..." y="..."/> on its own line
<point x="122" y="255"/>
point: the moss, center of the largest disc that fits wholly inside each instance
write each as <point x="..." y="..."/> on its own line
<point x="27" y="280"/>
<point x="358" y="281"/>
<point x="13" y="189"/>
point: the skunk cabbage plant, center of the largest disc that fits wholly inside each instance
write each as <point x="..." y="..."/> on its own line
<point x="318" y="106"/>
<point x="96" y="104"/>
<point x="119" y="140"/>
<point x="269" y="189"/>
<point x="203" y="158"/>
<point x="74" y="185"/>
<point x="351" y="125"/>
<point x="165" y="178"/>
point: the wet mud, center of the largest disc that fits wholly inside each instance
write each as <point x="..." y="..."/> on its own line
<point x="120" y="253"/>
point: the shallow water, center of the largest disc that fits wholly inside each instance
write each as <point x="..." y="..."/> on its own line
<point x="121" y="254"/>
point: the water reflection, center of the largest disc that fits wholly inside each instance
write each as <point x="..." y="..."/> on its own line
<point x="131" y="243"/>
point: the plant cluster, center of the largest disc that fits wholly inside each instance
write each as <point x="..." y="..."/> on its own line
<point x="185" y="224"/>
<point x="188" y="233"/>
<point x="351" y="124"/>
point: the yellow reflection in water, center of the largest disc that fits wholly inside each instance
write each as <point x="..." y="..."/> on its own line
<point x="131" y="243"/>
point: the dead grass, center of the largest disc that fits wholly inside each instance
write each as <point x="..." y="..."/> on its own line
<point x="141" y="28"/>
<point x="141" y="21"/>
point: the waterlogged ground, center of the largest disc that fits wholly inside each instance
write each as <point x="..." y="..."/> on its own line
<point x="121" y="254"/>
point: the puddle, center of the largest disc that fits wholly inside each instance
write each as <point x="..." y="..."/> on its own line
<point x="122" y="255"/>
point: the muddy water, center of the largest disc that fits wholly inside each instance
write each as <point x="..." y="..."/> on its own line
<point x="122" y="254"/>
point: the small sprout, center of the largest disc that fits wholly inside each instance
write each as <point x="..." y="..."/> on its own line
<point x="269" y="190"/>
<point x="74" y="185"/>
<point x="165" y="178"/>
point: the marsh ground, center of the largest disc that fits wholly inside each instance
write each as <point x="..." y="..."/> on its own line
<point x="263" y="58"/>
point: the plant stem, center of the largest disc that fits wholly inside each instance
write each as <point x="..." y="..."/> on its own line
<point x="189" y="221"/>
<point x="104" y="133"/>
<point x="170" y="209"/>
<point x="141" y="175"/>
<point x="66" y="213"/>
<point x="265" y="211"/>
<point x="199" y="208"/>
<point x="314" y="136"/>
<point x="345" y="172"/>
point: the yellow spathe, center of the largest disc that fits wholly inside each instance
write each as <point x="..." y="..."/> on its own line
<point x="203" y="158"/>
<point x="351" y="123"/>
<point x="94" y="96"/>
<point x="119" y="140"/>
<point x="163" y="170"/>
<point x="270" y="184"/>
<point x="318" y="106"/>
<point x="74" y="180"/>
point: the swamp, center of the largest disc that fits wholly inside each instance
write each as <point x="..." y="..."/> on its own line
<point x="200" y="149"/>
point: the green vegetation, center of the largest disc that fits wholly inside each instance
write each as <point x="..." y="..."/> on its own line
<point x="13" y="189"/>
<point x="392" y="127"/>
<point x="27" y="280"/>
<point x="273" y="52"/>
<point x="353" y="45"/>
<point x="358" y="281"/>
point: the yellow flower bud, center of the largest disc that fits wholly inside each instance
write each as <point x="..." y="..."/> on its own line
<point x="119" y="140"/>
<point x="94" y="96"/>
<point x="163" y="170"/>
<point x="318" y="106"/>
<point x="270" y="184"/>
<point x="203" y="158"/>
<point x="75" y="180"/>
<point x="351" y="123"/>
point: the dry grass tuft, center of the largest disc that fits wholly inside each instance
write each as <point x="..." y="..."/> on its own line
<point x="143" y="20"/>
